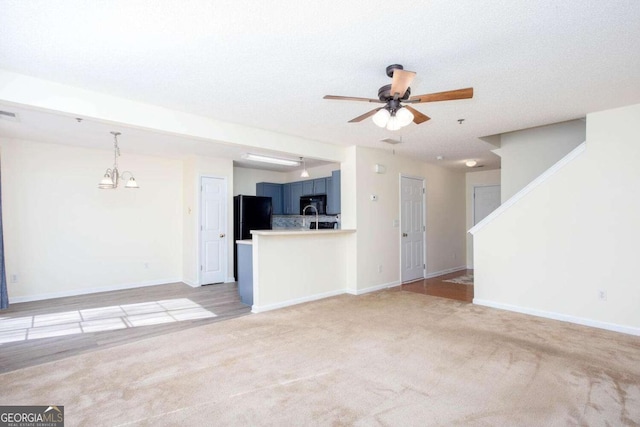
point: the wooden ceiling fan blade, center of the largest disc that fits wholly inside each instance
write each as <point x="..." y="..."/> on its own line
<point x="351" y="98"/>
<point x="418" y="117"/>
<point x="449" y="95"/>
<point x="365" y="115"/>
<point x="401" y="81"/>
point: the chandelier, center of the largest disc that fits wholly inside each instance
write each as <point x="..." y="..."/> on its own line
<point x="112" y="176"/>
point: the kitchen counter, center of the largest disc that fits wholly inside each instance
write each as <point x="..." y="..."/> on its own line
<point x="295" y="265"/>
<point x="298" y="231"/>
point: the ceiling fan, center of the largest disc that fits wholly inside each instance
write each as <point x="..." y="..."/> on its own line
<point x="393" y="114"/>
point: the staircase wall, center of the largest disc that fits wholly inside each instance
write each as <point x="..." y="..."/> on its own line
<point x="573" y="239"/>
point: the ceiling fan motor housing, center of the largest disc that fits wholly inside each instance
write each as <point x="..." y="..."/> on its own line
<point x="384" y="93"/>
<point x="391" y="68"/>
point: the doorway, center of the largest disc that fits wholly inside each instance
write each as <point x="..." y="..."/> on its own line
<point x="412" y="228"/>
<point x="213" y="230"/>
<point x="486" y="199"/>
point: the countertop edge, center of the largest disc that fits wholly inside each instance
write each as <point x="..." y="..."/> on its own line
<point x="300" y="232"/>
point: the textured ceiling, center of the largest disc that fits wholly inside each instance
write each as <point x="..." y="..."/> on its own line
<point x="268" y="64"/>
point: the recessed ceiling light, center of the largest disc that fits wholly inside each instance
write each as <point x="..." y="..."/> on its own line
<point x="471" y="163"/>
<point x="440" y="157"/>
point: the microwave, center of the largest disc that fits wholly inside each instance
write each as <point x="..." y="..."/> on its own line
<point x="319" y="201"/>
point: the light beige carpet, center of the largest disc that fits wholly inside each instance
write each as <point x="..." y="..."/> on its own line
<point x="386" y="358"/>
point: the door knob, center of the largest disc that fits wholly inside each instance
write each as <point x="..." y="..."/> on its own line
<point x="404" y="234"/>
<point x="221" y="236"/>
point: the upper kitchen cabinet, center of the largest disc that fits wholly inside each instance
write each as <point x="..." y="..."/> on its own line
<point x="320" y="186"/>
<point x="333" y="193"/>
<point x="269" y="189"/>
<point x="286" y="197"/>
<point x="296" y="191"/>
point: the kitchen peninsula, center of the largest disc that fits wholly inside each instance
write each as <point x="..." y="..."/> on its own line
<point x="292" y="266"/>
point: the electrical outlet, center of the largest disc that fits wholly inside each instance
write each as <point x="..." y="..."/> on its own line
<point x="602" y="295"/>
<point x="14" y="278"/>
<point x="146" y="265"/>
<point x="379" y="269"/>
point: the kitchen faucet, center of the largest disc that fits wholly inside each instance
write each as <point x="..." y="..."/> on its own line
<point x="304" y="215"/>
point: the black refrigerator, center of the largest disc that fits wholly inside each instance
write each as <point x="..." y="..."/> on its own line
<point x="249" y="213"/>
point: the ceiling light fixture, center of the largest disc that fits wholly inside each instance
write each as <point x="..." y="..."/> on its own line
<point x="112" y="176"/>
<point x="305" y="172"/>
<point x="392" y="119"/>
<point x="272" y="160"/>
<point x="470" y="163"/>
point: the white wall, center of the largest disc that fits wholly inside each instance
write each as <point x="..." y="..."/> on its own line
<point x="378" y="241"/>
<point x="527" y="153"/>
<point x="572" y="236"/>
<point x="476" y="179"/>
<point x="63" y="235"/>
<point x="245" y="179"/>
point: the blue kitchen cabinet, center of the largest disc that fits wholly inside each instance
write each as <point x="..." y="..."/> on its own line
<point x="296" y="192"/>
<point x="269" y="189"/>
<point x="307" y="188"/>
<point x="333" y="193"/>
<point x="320" y="186"/>
<point x="286" y="199"/>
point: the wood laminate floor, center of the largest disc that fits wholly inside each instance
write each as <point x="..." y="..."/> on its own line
<point x="42" y="331"/>
<point x="37" y="332"/>
<point x="437" y="286"/>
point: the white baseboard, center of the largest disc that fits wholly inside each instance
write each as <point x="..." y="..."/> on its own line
<point x="268" y="307"/>
<point x="373" y="288"/>
<point x="560" y="316"/>
<point x="447" y="271"/>
<point x="75" y="292"/>
<point x="192" y="284"/>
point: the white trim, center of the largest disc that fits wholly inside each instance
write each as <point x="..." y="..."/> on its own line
<point x="424" y="223"/>
<point x="268" y="307"/>
<point x="192" y="284"/>
<point x="230" y="279"/>
<point x="559" y="316"/>
<point x="529" y="187"/>
<point x="447" y="271"/>
<point x="75" y="292"/>
<point x="373" y="288"/>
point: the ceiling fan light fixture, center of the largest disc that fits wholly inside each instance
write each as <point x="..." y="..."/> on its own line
<point x="404" y="116"/>
<point x="393" y="123"/>
<point x="381" y="117"/>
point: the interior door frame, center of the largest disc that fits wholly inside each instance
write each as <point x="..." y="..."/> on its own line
<point x="199" y="253"/>
<point x="424" y="221"/>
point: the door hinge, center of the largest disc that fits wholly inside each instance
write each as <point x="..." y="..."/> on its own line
<point x="423" y="191"/>
<point x="424" y="228"/>
<point x="200" y="268"/>
<point x="424" y="266"/>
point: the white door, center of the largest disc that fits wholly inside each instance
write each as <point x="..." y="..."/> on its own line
<point x="485" y="200"/>
<point x="213" y="229"/>
<point x="412" y="228"/>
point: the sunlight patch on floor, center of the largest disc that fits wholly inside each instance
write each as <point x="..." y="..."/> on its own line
<point x="111" y="318"/>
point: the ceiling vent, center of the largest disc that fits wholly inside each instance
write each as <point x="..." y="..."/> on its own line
<point x="7" y="115"/>
<point x="391" y="141"/>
